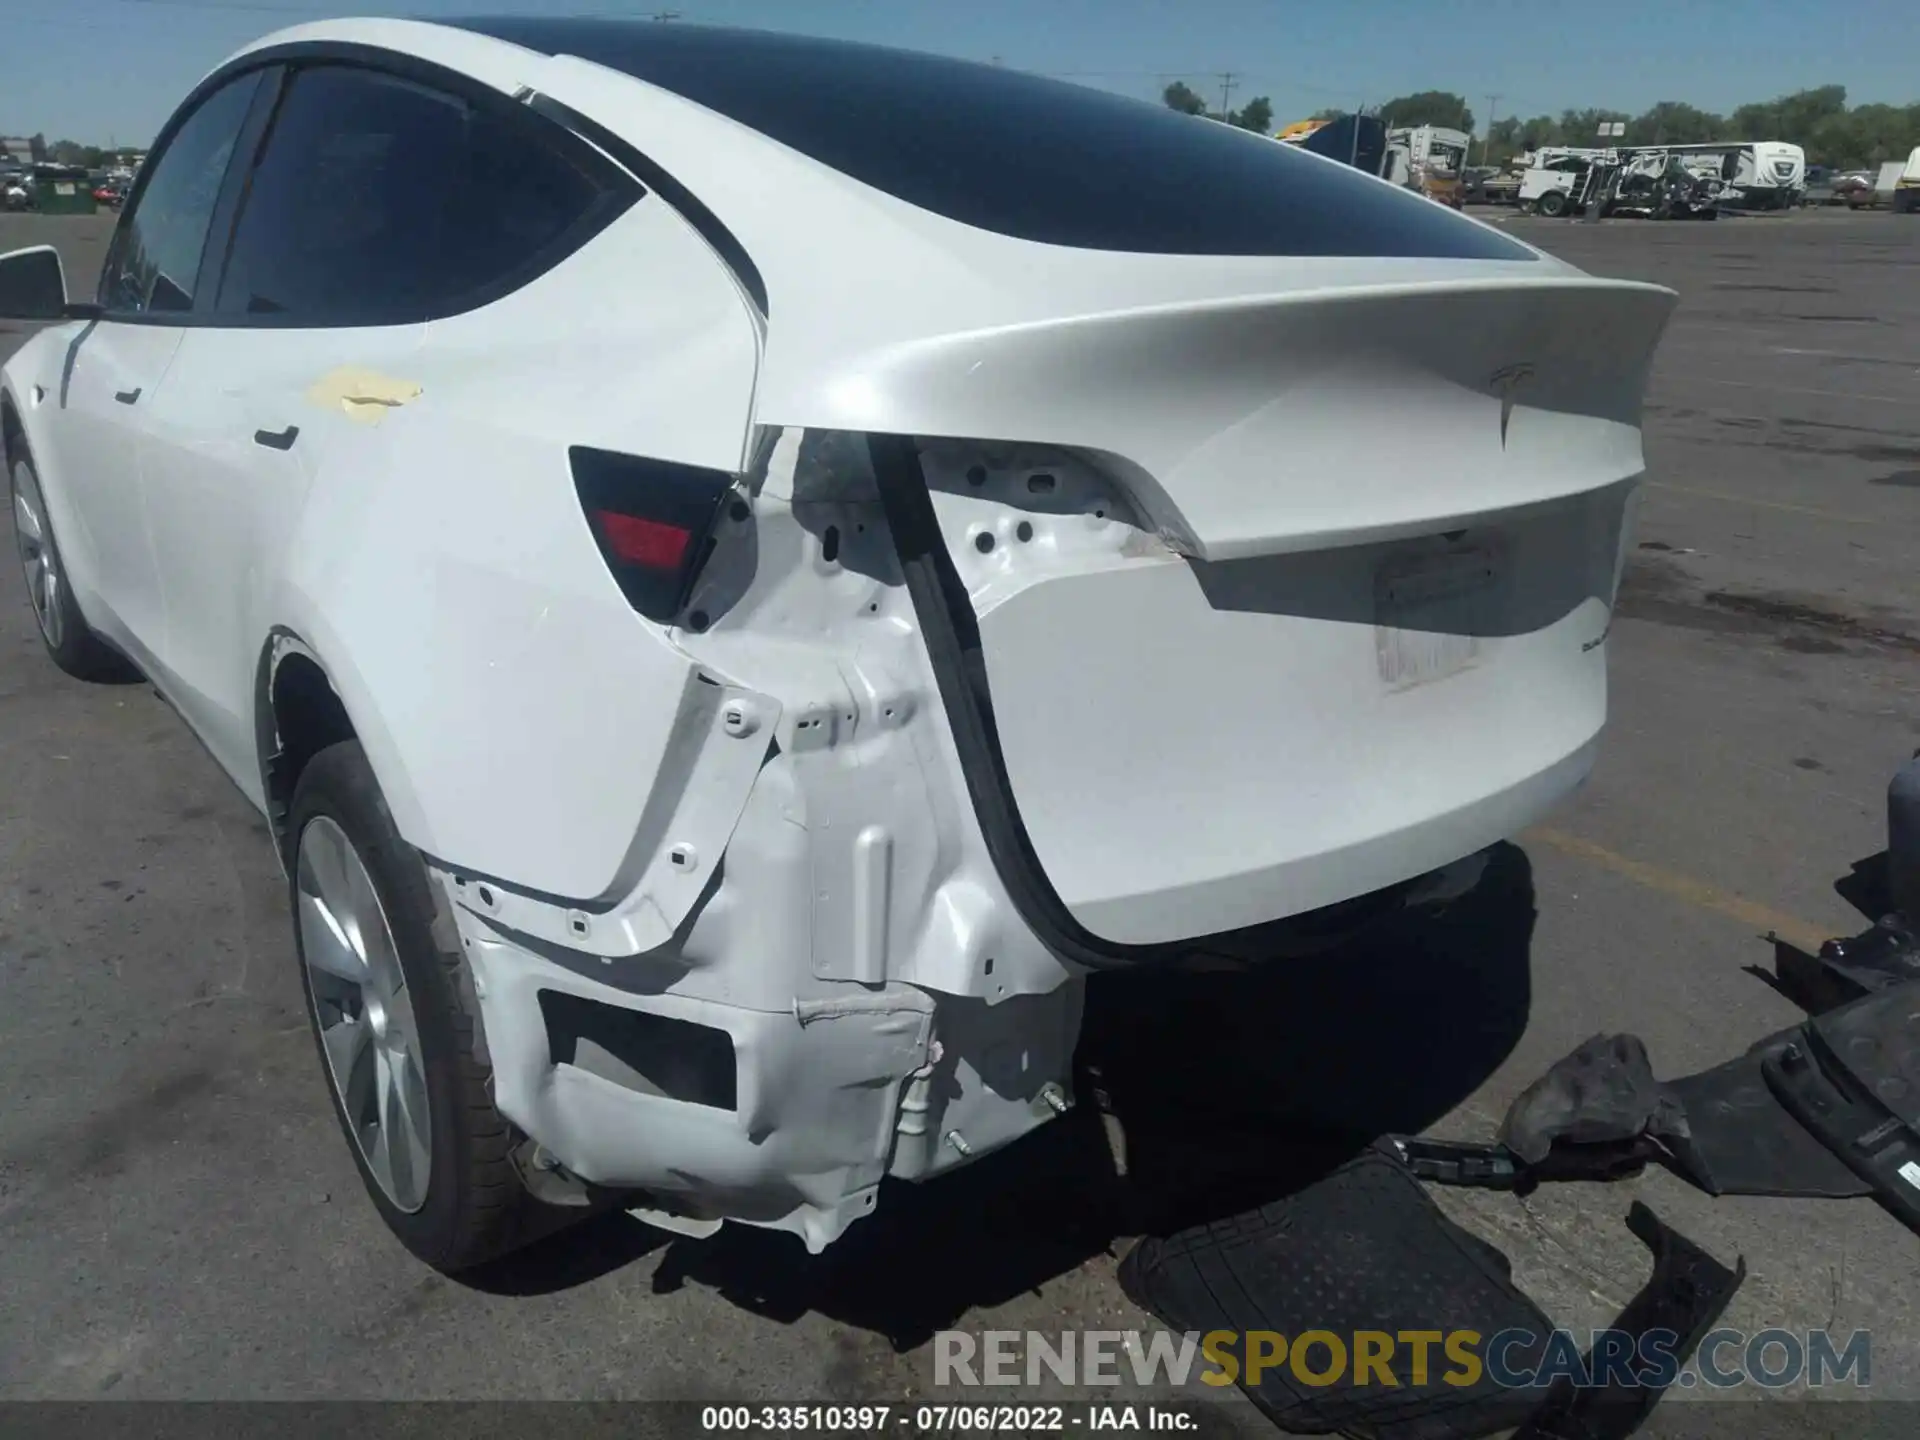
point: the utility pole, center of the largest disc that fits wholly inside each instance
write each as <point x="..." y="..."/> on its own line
<point x="1228" y="79"/>
<point x="1486" y="150"/>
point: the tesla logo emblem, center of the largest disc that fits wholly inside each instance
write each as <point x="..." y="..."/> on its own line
<point x="1506" y="381"/>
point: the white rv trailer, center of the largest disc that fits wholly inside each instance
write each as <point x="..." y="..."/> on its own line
<point x="1759" y="174"/>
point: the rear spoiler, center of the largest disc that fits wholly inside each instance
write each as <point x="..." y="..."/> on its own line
<point x="1272" y="424"/>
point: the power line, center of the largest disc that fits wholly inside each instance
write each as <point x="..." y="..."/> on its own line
<point x="1227" y="81"/>
<point x="246" y="5"/>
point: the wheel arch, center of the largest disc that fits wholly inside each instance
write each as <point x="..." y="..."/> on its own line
<point x="301" y="705"/>
<point x="12" y="432"/>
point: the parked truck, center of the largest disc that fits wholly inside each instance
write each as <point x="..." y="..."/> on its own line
<point x="1436" y="160"/>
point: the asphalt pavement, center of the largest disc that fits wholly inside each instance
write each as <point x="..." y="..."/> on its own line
<point x="179" y="1217"/>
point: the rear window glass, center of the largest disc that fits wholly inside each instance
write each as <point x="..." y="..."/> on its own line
<point x="1028" y="157"/>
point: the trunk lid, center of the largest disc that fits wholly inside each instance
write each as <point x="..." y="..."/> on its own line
<point x="1284" y="601"/>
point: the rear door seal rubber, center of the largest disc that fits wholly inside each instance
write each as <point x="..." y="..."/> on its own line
<point x="650" y="174"/>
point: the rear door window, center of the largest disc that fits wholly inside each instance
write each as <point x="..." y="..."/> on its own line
<point x="377" y="200"/>
<point x="157" y="251"/>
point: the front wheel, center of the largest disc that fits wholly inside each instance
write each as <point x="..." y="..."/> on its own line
<point x="70" y="641"/>
<point x="396" y="1026"/>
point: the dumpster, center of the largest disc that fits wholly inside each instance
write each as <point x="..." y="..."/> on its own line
<point x="62" y="190"/>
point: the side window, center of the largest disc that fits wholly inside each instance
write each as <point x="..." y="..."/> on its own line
<point x="157" y="251"/>
<point x="376" y="201"/>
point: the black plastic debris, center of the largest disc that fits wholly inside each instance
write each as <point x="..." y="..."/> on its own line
<point x="1903" y="840"/>
<point x="1827" y="1110"/>
<point x="1852" y="1078"/>
<point x="1461" y="1162"/>
<point x="1492" y="1166"/>
<point x="1687" y="1292"/>
<point x="1600" y="1114"/>
<point x="1603" y="1093"/>
<point x="1741" y="1140"/>
<point x="1870" y="963"/>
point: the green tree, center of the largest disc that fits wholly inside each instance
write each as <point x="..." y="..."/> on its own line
<point x="1674" y="122"/>
<point x="1540" y="130"/>
<point x="1257" y="115"/>
<point x="1503" y="141"/>
<point x="1182" y="97"/>
<point x="1429" y="107"/>
<point x="1804" y="111"/>
<point x="1796" y="118"/>
<point x="1582" y="127"/>
<point x="1866" y="135"/>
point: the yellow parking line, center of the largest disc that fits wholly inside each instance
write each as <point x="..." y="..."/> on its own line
<point x="1696" y="893"/>
<point x="1763" y="504"/>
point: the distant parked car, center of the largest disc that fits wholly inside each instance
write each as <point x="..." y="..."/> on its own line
<point x="18" y="196"/>
<point x="1855" y="188"/>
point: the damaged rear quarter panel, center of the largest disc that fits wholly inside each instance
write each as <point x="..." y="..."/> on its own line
<point x="524" y="718"/>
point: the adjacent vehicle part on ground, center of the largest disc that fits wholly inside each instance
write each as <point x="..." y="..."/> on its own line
<point x="753" y="671"/>
<point x="1364" y="1250"/>
<point x="1825" y="1109"/>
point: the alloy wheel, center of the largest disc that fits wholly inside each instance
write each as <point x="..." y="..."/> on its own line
<point x="363" y="1013"/>
<point x="38" y="558"/>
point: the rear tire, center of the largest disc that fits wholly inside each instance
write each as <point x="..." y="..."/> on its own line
<point x="70" y="641"/>
<point x="1553" y="204"/>
<point x="410" y="1041"/>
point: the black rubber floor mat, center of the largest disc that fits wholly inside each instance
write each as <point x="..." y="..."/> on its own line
<point x="1853" y="1079"/>
<point x="1740" y="1140"/>
<point x="1364" y="1248"/>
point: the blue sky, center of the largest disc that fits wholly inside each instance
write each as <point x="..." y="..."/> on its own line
<point x="100" y="70"/>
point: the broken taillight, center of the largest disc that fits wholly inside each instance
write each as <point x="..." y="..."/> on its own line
<point x="653" y="521"/>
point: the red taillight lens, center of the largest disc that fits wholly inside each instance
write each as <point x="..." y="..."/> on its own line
<point x="637" y="541"/>
<point x="653" y="521"/>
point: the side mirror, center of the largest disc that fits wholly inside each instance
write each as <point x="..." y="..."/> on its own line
<point x="33" y="287"/>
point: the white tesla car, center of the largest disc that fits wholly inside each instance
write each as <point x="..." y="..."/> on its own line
<point x="741" y="568"/>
